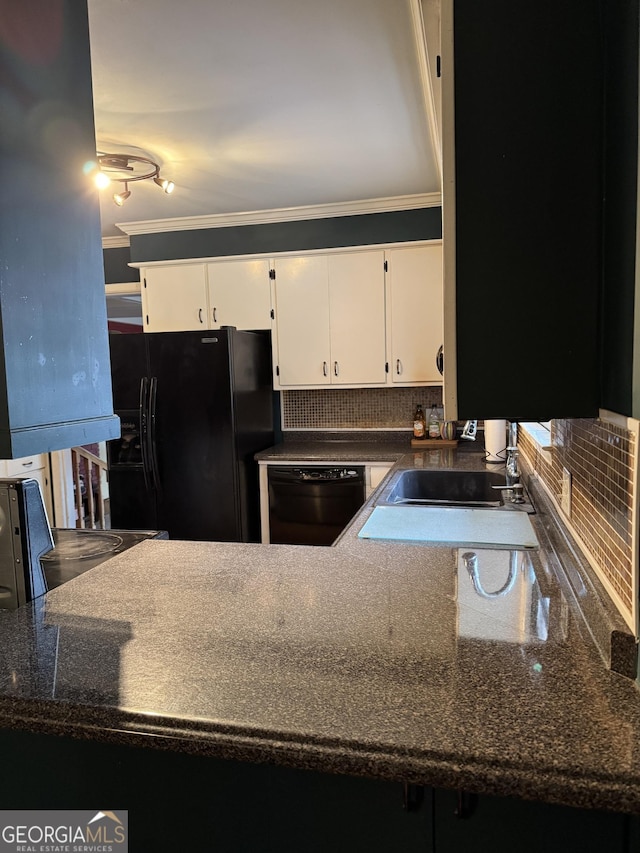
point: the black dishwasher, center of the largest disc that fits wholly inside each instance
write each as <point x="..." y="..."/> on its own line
<point x="312" y="506"/>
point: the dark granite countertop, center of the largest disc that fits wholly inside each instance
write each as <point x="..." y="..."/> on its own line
<point x="346" y="450"/>
<point x="370" y="658"/>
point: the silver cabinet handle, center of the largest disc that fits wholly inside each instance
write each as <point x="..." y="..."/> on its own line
<point x="215" y="315"/>
<point x="336" y="370"/>
<point x="324" y="368"/>
<point x="200" y="314"/>
<point x="398" y="366"/>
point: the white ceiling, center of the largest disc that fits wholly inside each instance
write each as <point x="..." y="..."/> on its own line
<point x="260" y="104"/>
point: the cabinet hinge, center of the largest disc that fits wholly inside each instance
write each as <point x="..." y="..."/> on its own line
<point x="145" y="281"/>
<point x="438" y="67"/>
<point x="277" y="370"/>
<point x="273" y="314"/>
<point x="147" y="318"/>
<point x="272" y="275"/>
<point x="386" y="367"/>
<point x="386" y="266"/>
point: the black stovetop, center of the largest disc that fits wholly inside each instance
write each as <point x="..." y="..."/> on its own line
<point x="76" y="551"/>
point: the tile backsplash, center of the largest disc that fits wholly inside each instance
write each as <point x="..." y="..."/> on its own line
<point x="356" y="408"/>
<point x="601" y="458"/>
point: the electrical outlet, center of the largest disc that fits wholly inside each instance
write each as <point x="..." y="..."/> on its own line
<point x="565" y="499"/>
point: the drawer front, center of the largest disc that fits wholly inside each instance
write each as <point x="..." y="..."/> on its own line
<point x="23" y="467"/>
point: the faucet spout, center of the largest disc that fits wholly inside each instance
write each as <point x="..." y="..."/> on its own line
<point x="513" y="469"/>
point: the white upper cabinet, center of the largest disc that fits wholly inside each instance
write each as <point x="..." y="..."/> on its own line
<point x="329" y="320"/>
<point x="341" y="320"/>
<point x="174" y="298"/>
<point x="361" y="317"/>
<point x="239" y="294"/>
<point x="357" y="318"/>
<point x="414" y="313"/>
<point x="301" y="351"/>
<point x="187" y="297"/>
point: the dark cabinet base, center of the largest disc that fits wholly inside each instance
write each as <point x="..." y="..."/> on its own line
<point x="178" y="802"/>
<point x="475" y="824"/>
<point x="183" y="802"/>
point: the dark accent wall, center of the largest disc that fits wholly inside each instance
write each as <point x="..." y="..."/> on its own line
<point x="116" y="269"/>
<point x="332" y="232"/>
<point x="620" y="202"/>
<point x="55" y="379"/>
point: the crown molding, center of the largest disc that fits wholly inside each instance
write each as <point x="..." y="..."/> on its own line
<point x="116" y="242"/>
<point x="420" y="9"/>
<point x="282" y="214"/>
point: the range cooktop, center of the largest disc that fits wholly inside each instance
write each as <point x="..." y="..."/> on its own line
<point x="76" y="551"/>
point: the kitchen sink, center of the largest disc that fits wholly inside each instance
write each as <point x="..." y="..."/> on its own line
<point x="427" y="487"/>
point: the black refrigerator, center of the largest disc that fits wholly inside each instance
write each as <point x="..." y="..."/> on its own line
<point x="194" y="409"/>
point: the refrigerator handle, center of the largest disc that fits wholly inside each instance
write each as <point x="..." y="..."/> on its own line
<point x="144" y="430"/>
<point x="153" y="449"/>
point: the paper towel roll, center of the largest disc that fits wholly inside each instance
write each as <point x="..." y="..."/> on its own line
<point x="495" y="440"/>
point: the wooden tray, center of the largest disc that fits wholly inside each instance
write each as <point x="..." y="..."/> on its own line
<point x="424" y="443"/>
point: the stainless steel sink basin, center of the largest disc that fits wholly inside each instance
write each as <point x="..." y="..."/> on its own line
<point x="422" y="486"/>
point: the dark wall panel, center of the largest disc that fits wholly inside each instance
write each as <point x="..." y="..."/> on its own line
<point x="333" y="232"/>
<point x="116" y="270"/>
<point x="620" y="200"/>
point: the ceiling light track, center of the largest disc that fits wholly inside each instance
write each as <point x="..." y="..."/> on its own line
<point x="125" y="169"/>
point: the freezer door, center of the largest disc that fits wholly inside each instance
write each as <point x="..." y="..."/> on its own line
<point x="192" y="436"/>
<point x="128" y="366"/>
<point x="131" y="493"/>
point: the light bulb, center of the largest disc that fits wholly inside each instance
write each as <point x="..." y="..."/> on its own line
<point x="101" y="180"/>
<point x="164" y="184"/>
<point x="120" y="198"/>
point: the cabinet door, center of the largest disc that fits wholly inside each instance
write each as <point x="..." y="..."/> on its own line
<point x="357" y="318"/>
<point x="522" y="208"/>
<point x="414" y="305"/>
<point x="174" y="298"/>
<point x="466" y="822"/>
<point x="302" y="353"/>
<point x="239" y="294"/>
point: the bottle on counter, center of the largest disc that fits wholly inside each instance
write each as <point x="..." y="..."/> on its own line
<point x="419" y="423"/>
<point x="434" y="423"/>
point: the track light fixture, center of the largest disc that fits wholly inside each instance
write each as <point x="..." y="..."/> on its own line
<point x="120" y="198"/>
<point x="167" y="186"/>
<point x="126" y="168"/>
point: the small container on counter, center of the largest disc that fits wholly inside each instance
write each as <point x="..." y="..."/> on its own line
<point x="434" y="423"/>
<point x="448" y="430"/>
<point x="419" y="423"/>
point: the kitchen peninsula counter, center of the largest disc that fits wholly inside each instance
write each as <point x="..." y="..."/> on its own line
<point x="369" y="659"/>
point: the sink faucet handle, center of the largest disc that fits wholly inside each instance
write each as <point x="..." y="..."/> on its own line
<point x="469" y="430"/>
<point x="516" y="488"/>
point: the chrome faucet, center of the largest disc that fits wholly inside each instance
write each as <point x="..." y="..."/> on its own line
<point x="513" y="469"/>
